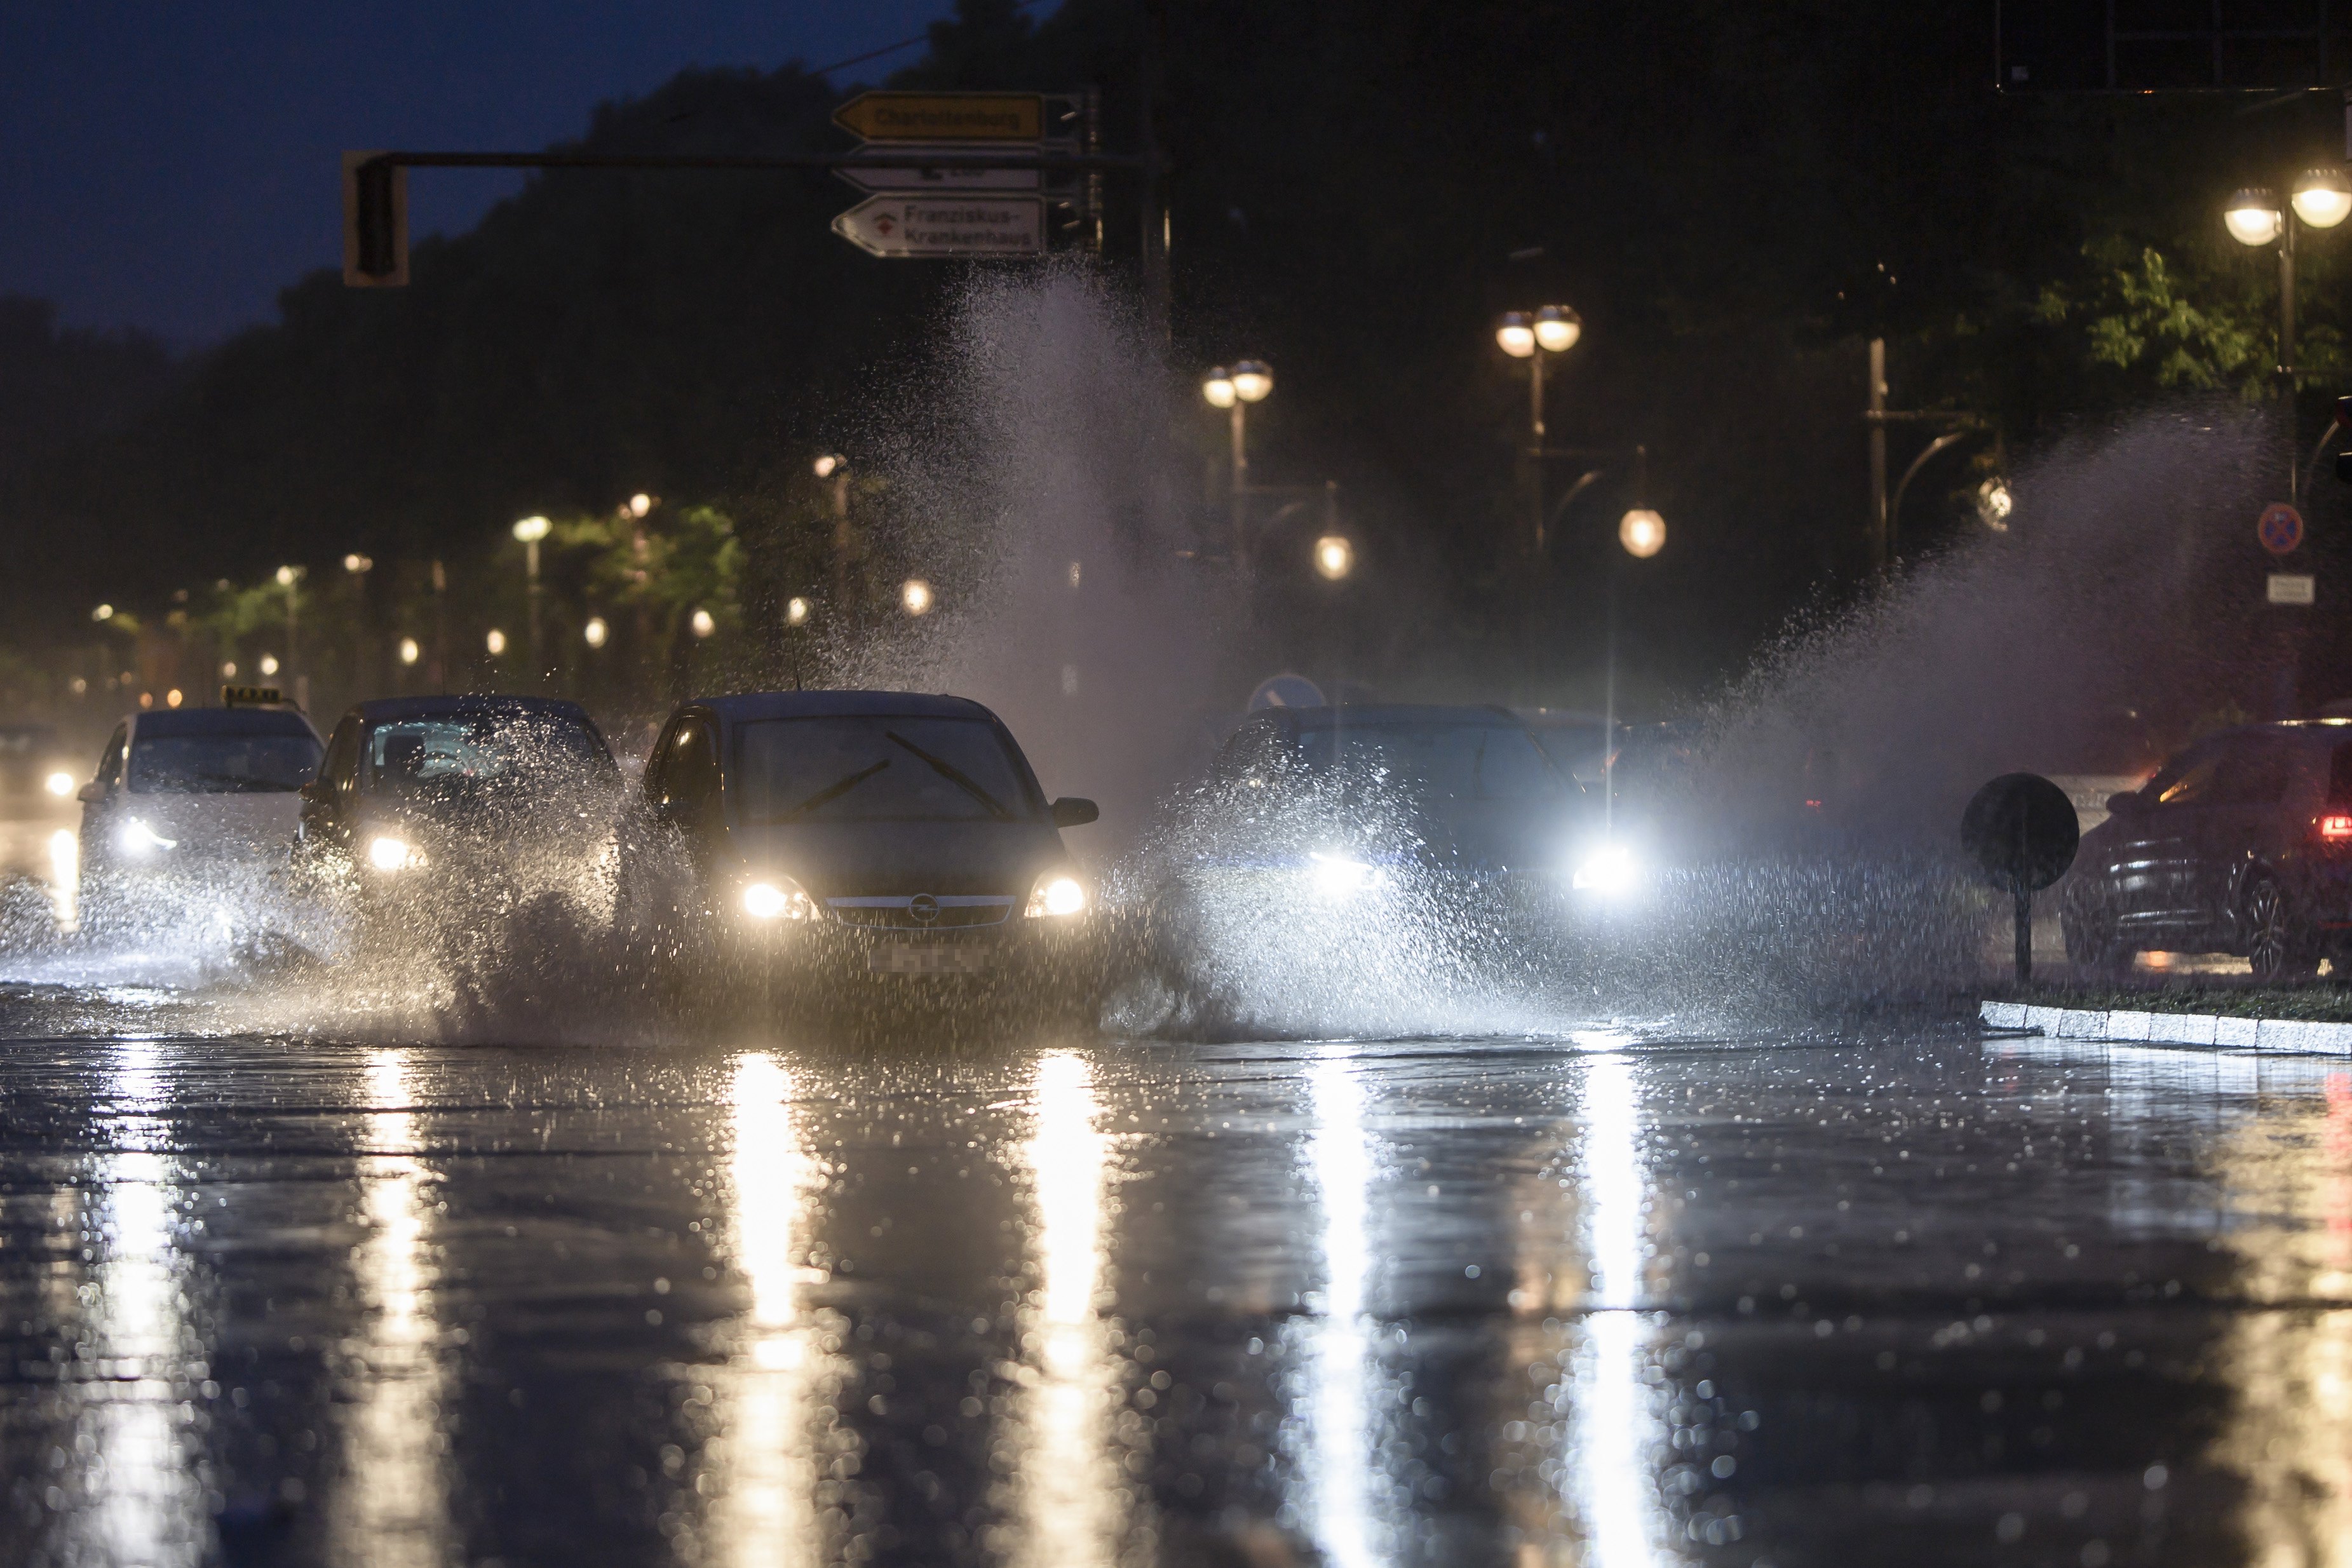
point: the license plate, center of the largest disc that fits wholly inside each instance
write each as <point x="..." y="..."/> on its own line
<point x="925" y="958"/>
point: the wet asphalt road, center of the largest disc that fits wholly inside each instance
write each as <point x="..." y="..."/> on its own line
<point x="1613" y="1299"/>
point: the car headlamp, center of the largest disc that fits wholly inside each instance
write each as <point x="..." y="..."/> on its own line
<point x="1339" y="876"/>
<point x="778" y="899"/>
<point x="1057" y="894"/>
<point x="59" y="784"/>
<point x="386" y="853"/>
<point x="1610" y="870"/>
<point x="135" y="837"/>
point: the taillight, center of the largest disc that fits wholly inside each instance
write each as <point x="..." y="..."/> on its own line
<point x="2336" y="827"/>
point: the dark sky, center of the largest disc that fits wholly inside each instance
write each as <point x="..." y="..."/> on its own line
<point x="171" y="166"/>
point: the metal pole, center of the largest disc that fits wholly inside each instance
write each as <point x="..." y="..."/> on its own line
<point x="1877" y="453"/>
<point x="841" y="542"/>
<point x="1536" y="450"/>
<point x="530" y="604"/>
<point x="1241" y="490"/>
<point x="2286" y="352"/>
<point x="1154" y="215"/>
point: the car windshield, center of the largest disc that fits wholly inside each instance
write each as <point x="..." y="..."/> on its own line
<point x="462" y="751"/>
<point x="1439" y="760"/>
<point x="222" y="764"/>
<point x="876" y="768"/>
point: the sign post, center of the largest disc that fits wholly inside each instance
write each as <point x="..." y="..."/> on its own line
<point x="904" y="225"/>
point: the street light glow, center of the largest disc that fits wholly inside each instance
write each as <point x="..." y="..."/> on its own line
<point x="831" y="463"/>
<point x="1994" y="503"/>
<point x="289" y="575"/>
<point x="1515" y="334"/>
<point x="409" y="651"/>
<point x="1217" y="386"/>
<point x="356" y="563"/>
<point x="640" y="504"/>
<point x="1556" y="329"/>
<point x="531" y="529"/>
<point x="595" y="631"/>
<point x="173" y="698"/>
<point x="1253" y="381"/>
<point x="496" y="642"/>
<point x="2253" y="217"/>
<point x="2323" y="197"/>
<point x="103" y="613"/>
<point x="704" y="624"/>
<point x="228" y="669"/>
<point x="1642" y="532"/>
<point x="916" y="596"/>
<point x="796" y="610"/>
<point x="1334" y="557"/>
<point x="269" y="664"/>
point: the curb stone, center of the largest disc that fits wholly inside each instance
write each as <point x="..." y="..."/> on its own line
<point x="2296" y="1035"/>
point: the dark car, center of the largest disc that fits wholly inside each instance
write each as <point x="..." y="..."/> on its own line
<point x="865" y="848"/>
<point x="468" y="802"/>
<point x="2241" y="844"/>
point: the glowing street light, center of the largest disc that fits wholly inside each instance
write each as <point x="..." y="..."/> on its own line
<point x="1994" y="504"/>
<point x="496" y="642"/>
<point x="2321" y="199"/>
<point x="358" y="566"/>
<point x="704" y="623"/>
<point x="594" y="632"/>
<point x="640" y="504"/>
<point x="1642" y="532"/>
<point x="1531" y="335"/>
<point x="1250" y="381"/>
<point x="2253" y="217"/>
<point x="530" y="530"/>
<point x="796" y="610"/>
<point x="915" y="597"/>
<point x="228" y="669"/>
<point x="409" y="652"/>
<point x="829" y="464"/>
<point x="290" y="579"/>
<point x="103" y="613"/>
<point x="1334" y="557"/>
<point x="269" y="665"/>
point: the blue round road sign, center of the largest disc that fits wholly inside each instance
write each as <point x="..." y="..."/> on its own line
<point x="2280" y="528"/>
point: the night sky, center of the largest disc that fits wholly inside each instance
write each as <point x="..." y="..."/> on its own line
<point x="171" y="167"/>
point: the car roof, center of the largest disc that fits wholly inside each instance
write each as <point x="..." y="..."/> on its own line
<point x="172" y="722"/>
<point x="391" y="710"/>
<point x="1391" y="713"/>
<point x="751" y="705"/>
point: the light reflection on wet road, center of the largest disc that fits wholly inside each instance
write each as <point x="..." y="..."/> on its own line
<point x="1608" y="1300"/>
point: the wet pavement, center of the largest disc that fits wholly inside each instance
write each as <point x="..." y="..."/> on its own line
<point x="1612" y="1298"/>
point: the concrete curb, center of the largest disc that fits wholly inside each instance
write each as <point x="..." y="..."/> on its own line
<point x="2120" y="1027"/>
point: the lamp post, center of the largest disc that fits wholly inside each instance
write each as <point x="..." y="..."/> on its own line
<point x="357" y="567"/>
<point x="2321" y="199"/>
<point x="290" y="579"/>
<point x="1251" y="381"/>
<point x="834" y="469"/>
<point x="1530" y="336"/>
<point x="531" y="531"/>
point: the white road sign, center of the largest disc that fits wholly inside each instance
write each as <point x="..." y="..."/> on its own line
<point x="2292" y="589"/>
<point x="896" y="176"/>
<point x="914" y="225"/>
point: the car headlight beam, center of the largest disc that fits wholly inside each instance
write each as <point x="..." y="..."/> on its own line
<point x="1608" y="870"/>
<point x="1057" y="895"/>
<point x="135" y="837"/>
<point x="59" y="784"/>
<point x="1337" y="877"/>
<point x="386" y="853"/>
<point x="778" y="899"/>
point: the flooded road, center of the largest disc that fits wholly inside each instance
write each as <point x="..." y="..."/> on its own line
<point x="1610" y="1299"/>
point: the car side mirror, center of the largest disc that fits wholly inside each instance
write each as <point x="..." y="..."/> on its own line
<point x="315" y="793"/>
<point x="2128" y="803"/>
<point x="90" y="794"/>
<point x="1071" y="811"/>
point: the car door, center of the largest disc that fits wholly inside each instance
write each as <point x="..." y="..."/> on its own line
<point x="327" y="800"/>
<point x="2154" y="872"/>
<point x="682" y="786"/>
<point x="2238" y="825"/>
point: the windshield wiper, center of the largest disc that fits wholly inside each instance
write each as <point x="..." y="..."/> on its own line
<point x="836" y="790"/>
<point x="954" y="776"/>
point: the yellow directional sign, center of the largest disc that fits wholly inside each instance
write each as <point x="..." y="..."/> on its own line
<point x="944" y="116"/>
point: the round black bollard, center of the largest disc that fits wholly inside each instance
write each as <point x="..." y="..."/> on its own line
<point x="2021" y="831"/>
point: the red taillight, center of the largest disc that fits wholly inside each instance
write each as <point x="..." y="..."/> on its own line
<point x="2336" y="827"/>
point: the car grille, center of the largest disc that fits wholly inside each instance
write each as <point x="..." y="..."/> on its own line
<point x="950" y="911"/>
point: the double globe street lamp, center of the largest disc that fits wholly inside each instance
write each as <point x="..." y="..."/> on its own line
<point x="1530" y="336"/>
<point x="1250" y="381"/>
<point x="2321" y="199"/>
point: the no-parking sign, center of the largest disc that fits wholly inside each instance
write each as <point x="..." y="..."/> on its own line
<point x="2280" y="528"/>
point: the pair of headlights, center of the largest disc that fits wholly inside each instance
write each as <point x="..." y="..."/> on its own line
<point x="386" y="853"/>
<point x="1056" y="895"/>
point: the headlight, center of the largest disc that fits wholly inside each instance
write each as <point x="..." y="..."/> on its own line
<point x="1337" y="877"/>
<point x="778" y="899"/>
<point x="1608" y="870"/>
<point x="61" y="783"/>
<point x="135" y="837"/>
<point x="1056" y="894"/>
<point x="386" y="853"/>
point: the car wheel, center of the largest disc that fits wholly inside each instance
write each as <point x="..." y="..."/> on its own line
<point x="2088" y="921"/>
<point x="2276" y="949"/>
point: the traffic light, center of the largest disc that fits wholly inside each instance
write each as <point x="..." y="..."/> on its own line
<point x="375" y="223"/>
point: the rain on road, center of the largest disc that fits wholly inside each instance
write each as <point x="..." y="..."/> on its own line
<point x="1613" y="1298"/>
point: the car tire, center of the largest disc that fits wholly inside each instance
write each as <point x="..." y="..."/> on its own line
<point x="2093" y="945"/>
<point x="2276" y="948"/>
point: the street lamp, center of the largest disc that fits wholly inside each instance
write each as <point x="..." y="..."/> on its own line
<point x="916" y="596"/>
<point x="1334" y="557"/>
<point x="704" y="624"/>
<point x="796" y="610"/>
<point x="1250" y="381"/>
<point x="1530" y="336"/>
<point x="409" y="651"/>
<point x="834" y="469"/>
<point x="640" y="504"/>
<point x="531" y="531"/>
<point x="496" y="642"/>
<point x="1642" y="532"/>
<point x="290" y="579"/>
<point x="2321" y="198"/>
<point x="595" y="633"/>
